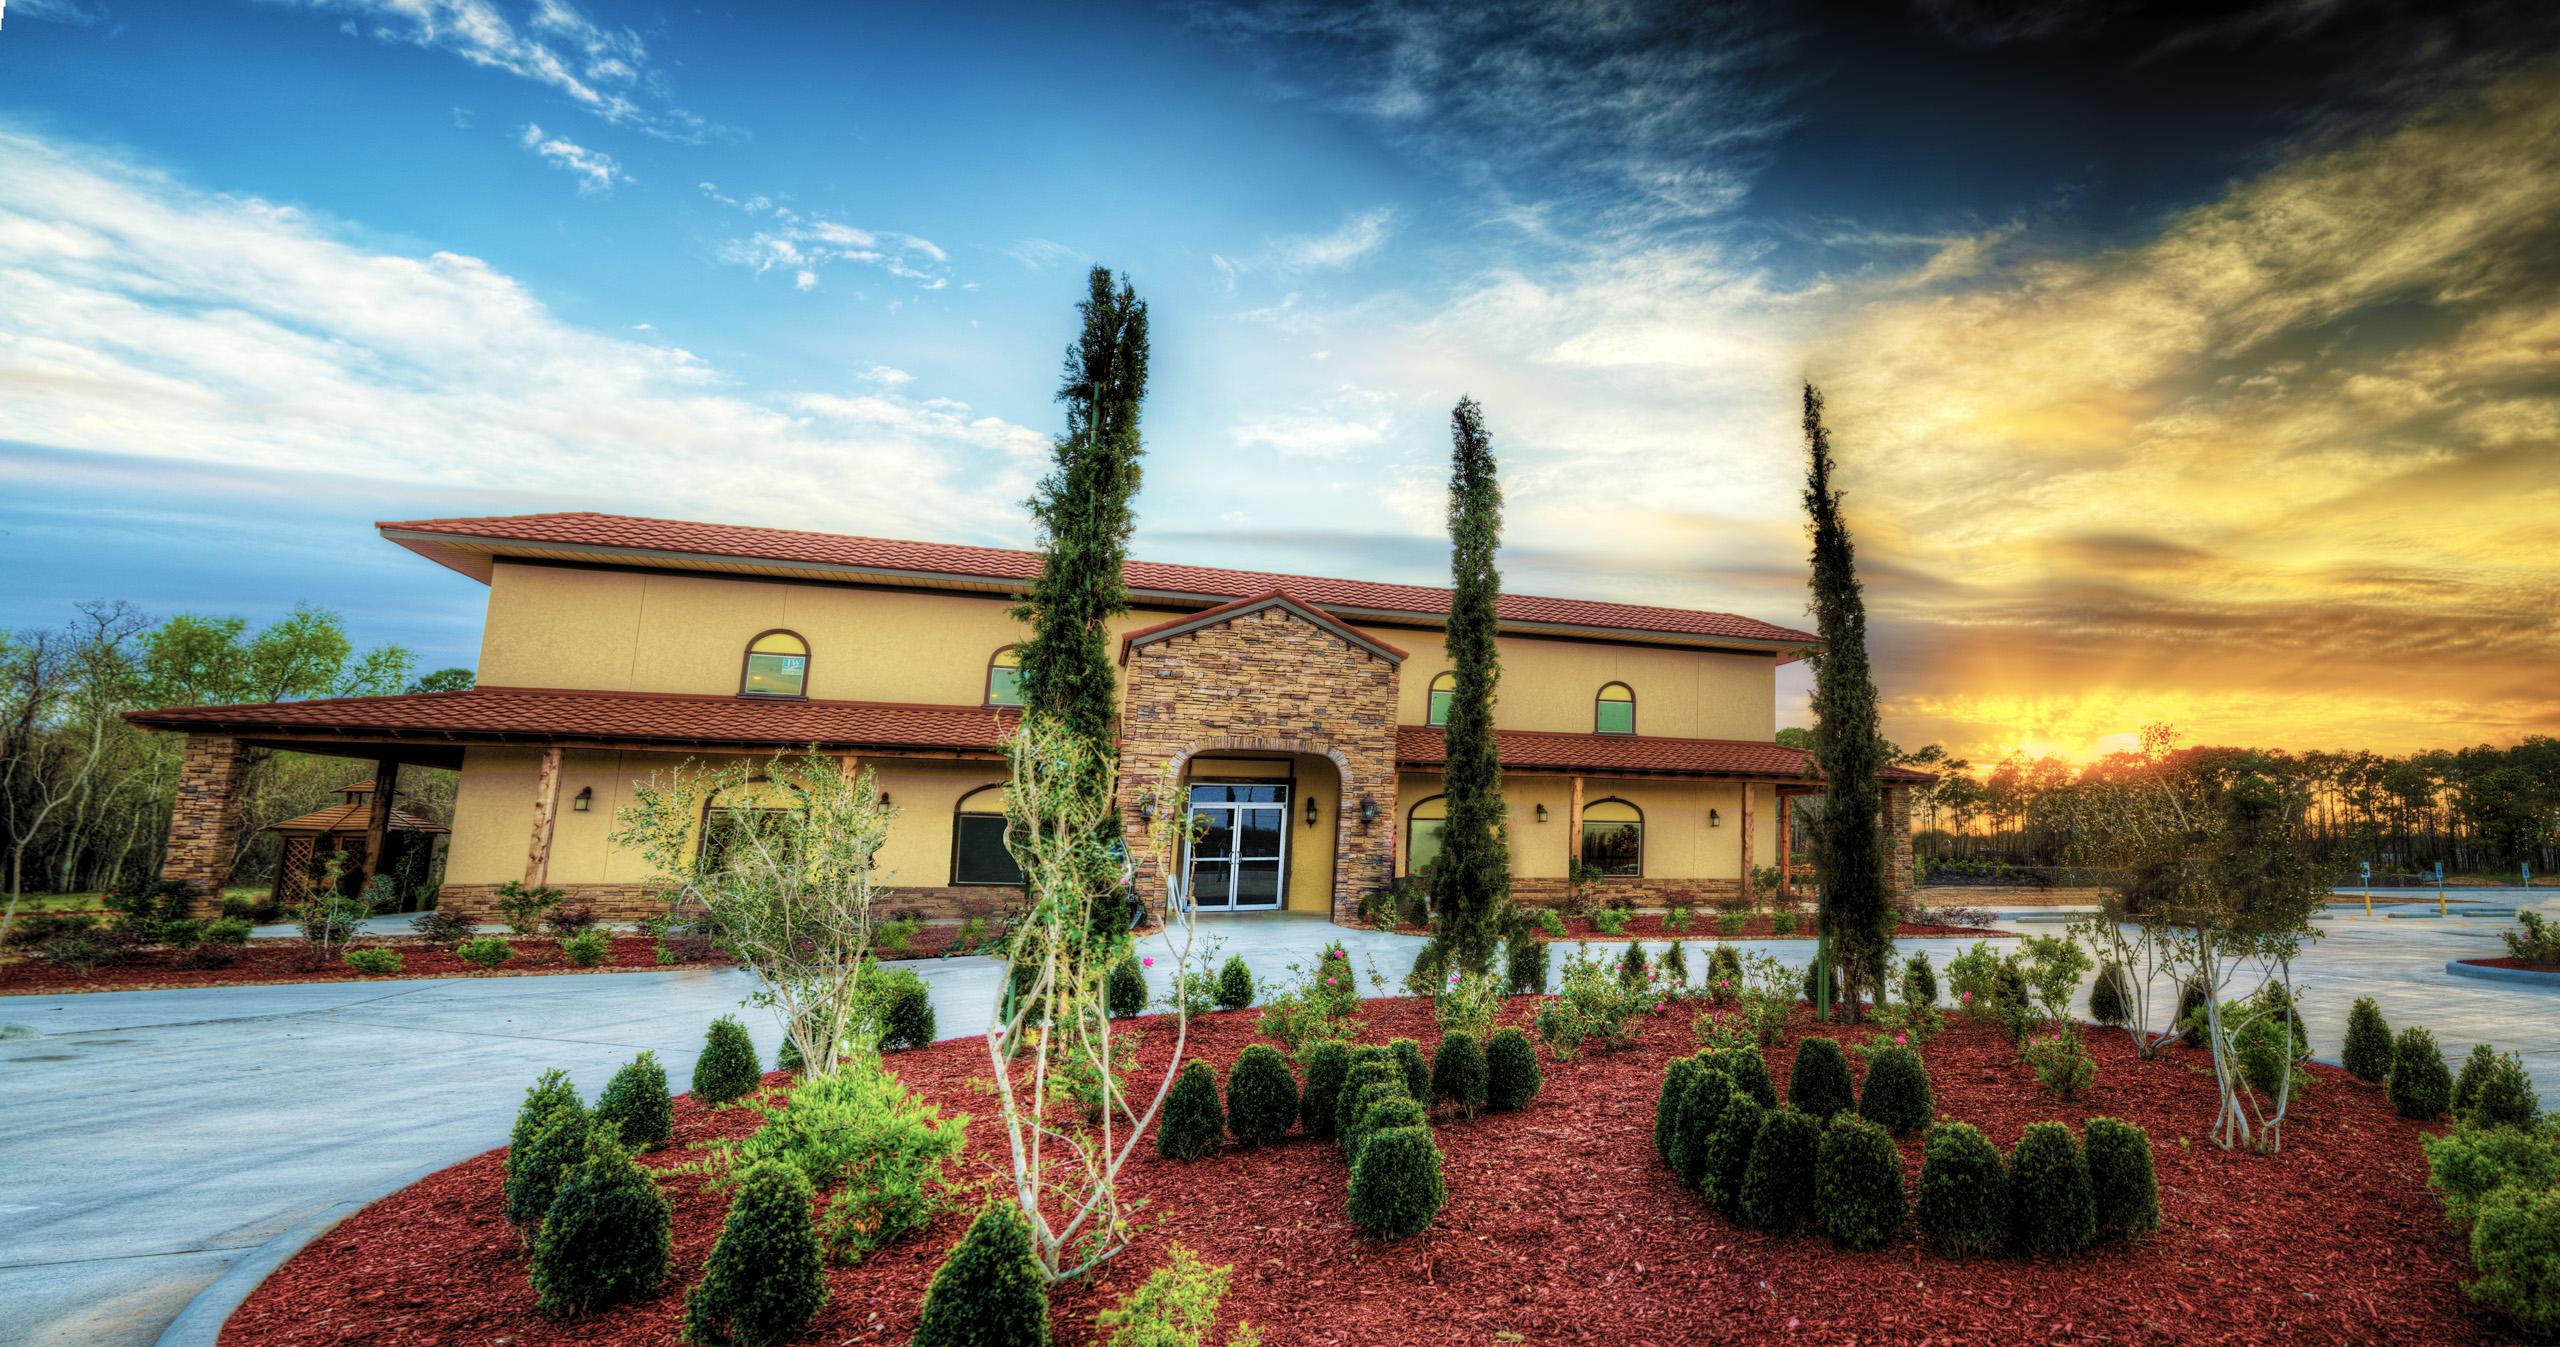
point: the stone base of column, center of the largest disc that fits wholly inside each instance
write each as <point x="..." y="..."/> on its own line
<point x="204" y="827"/>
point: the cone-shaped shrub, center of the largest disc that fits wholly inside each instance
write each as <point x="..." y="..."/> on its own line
<point x="1964" y="1191"/>
<point x="537" y="1169"/>
<point x="727" y="1068"/>
<point x="1458" y="1072"/>
<point x="2503" y="1096"/>
<point x="1395" y="1183"/>
<point x="1390" y="1109"/>
<point x="1777" y="1186"/>
<point x="1675" y="966"/>
<point x="2421" y="1087"/>
<point x="767" y="1276"/>
<point x="2109" y="996"/>
<point x="1262" y="1095"/>
<point x="1235" y="984"/>
<point x="1749" y="1070"/>
<point x="1328" y="1064"/>
<point x="2052" y="1209"/>
<point x="1632" y="968"/>
<point x="1811" y="985"/>
<point x="1524" y="964"/>
<point x="1724" y="973"/>
<point x="1511" y="1075"/>
<point x="1192" y="1124"/>
<point x="1667" y="1106"/>
<point x="2466" y="1082"/>
<point x="1701" y="1107"/>
<point x="905" y="1007"/>
<point x="1819" y="1085"/>
<point x="1728" y="1160"/>
<point x="2516" y="1247"/>
<point x="2367" y="1055"/>
<point x="549" y="1094"/>
<point x="1124" y="992"/>
<point x="1416" y="1068"/>
<point x="1919" y="980"/>
<point x="635" y="1101"/>
<point x="2121" y="1181"/>
<point x="990" y="1292"/>
<point x="1897" y="1095"/>
<point x="605" y="1241"/>
<point x="1857" y="1183"/>
<point x="1371" y="1096"/>
<point x="1348" y="1106"/>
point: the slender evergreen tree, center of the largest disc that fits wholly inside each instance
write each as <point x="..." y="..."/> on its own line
<point x="1848" y="835"/>
<point x="1472" y="878"/>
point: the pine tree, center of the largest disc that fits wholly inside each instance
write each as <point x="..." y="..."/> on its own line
<point x="1472" y="878"/>
<point x="1849" y="850"/>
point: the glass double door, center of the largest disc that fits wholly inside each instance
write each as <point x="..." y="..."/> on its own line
<point x="1239" y="846"/>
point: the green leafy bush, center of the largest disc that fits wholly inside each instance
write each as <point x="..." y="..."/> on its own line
<point x="1467" y="1004"/>
<point x="1693" y="1123"/>
<point x="1262" y="1095"/>
<point x="2469" y="1165"/>
<point x="1724" y="974"/>
<point x="635" y="1101"/>
<point x="2420" y="1086"/>
<point x="1458" y="1072"/>
<point x="1778" y="1182"/>
<point x="728" y="1068"/>
<point x="1235" y="984"/>
<point x="1328" y="1067"/>
<point x="901" y="1006"/>
<point x="2121" y="1183"/>
<point x="1857" y="1183"/>
<point x="549" y="1139"/>
<point x="990" y="1292"/>
<point x="1964" y="1191"/>
<point x="1389" y="1108"/>
<point x="2061" y="1061"/>
<point x="1396" y="1188"/>
<point x="1176" y="1306"/>
<point x="2110" y="996"/>
<point x="766" y="1279"/>
<point x="1511" y="1072"/>
<point x="1819" y="1085"/>
<point x="487" y="951"/>
<point x="588" y="948"/>
<point x="874" y="1150"/>
<point x="2052" y="1208"/>
<point x="233" y="931"/>
<point x="1919" y="980"/>
<point x="2515" y="1247"/>
<point x="1524" y="964"/>
<point x="1416" y="1068"/>
<point x="2367" y="1054"/>
<point x="1749" y="1070"/>
<point x="605" y="1241"/>
<point x="1897" y="1096"/>
<point x="2466" y="1082"/>
<point x="1370" y="1068"/>
<point x="374" y="960"/>
<point x="2191" y="1027"/>
<point x="1782" y="922"/>
<point x="523" y="909"/>
<point x="1732" y="923"/>
<point x="1191" y="1124"/>
<point x="1551" y="922"/>
<point x="2503" y="1096"/>
<point x="1594" y="1004"/>
<point x="1124" y="992"/>
<point x="1674" y="968"/>
<point x="1611" y="920"/>
<point x="1728" y="1157"/>
<point x="443" y="926"/>
<point x="2535" y="941"/>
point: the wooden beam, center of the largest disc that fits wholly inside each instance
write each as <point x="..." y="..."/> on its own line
<point x="1575" y="858"/>
<point x="377" y="819"/>
<point x="546" y="810"/>
<point x="1786" y="847"/>
<point x="1746" y="839"/>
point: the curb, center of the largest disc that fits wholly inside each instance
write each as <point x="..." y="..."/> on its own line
<point x="2528" y="976"/>
<point x="200" y="1323"/>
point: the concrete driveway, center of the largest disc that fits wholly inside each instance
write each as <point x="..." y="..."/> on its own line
<point x="149" y="1140"/>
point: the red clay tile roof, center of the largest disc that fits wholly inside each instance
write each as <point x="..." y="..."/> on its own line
<point x="1210" y="617"/>
<point x="497" y="714"/>
<point x="1552" y="751"/>
<point x="1147" y="578"/>
<point x="352" y="818"/>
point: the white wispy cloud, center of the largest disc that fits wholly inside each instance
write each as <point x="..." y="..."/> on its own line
<point x="806" y="245"/>
<point x="1357" y="237"/>
<point x="56" y="11"/>
<point x="1039" y="254"/>
<point x="595" y="171"/>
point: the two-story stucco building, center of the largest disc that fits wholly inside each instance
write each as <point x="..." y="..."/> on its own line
<point x="1302" y="713"/>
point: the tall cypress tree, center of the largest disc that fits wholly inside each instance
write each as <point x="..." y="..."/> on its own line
<point x="1473" y="875"/>
<point x="1848" y="835"/>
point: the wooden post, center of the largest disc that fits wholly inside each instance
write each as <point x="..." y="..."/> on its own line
<point x="1575" y="858"/>
<point x="1786" y="847"/>
<point x="377" y="819"/>
<point x="546" y="809"/>
<point x="1746" y="839"/>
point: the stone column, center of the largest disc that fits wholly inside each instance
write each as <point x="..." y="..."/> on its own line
<point x="1897" y="847"/>
<point x="204" y="827"/>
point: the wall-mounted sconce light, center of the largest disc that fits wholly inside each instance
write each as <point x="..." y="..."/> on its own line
<point x="1714" y="819"/>
<point x="1147" y="808"/>
<point x="586" y="796"/>
<point x="1542" y="813"/>
<point x="1311" y="811"/>
<point x="884" y="799"/>
<point x="1368" y="811"/>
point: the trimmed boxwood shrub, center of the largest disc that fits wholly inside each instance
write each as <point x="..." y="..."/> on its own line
<point x="1365" y="1072"/>
<point x="486" y="951"/>
<point x="1777" y="1186"/>
<point x="727" y="1068"/>
<point x="1919" y="980"/>
<point x="1857" y="1183"/>
<point x="2052" y="1209"/>
<point x="1355" y="1129"/>
<point x="605" y="1241"/>
<point x="1511" y="1075"/>
<point x="1458" y="1072"/>
<point x="1235" y="984"/>
<point x="375" y="960"/>
<point x="1124" y="992"/>
<point x="1667" y="1105"/>
<point x="1700" y="1108"/>
<point x="537" y="1168"/>
<point x="2420" y="1086"/>
<point x="1416" y="1068"/>
<point x="1262" y="1095"/>
<point x="1964" y="1191"/>
<point x="2475" y="1069"/>
<point x="2502" y="1096"/>
<point x="1524" y="964"/>
<point x="2110" y="996"/>
<point x="550" y="1093"/>
<point x="1749" y="1070"/>
<point x="1633" y="970"/>
<point x="1728" y="1159"/>
<point x="1328" y="1064"/>
<point x="766" y="1280"/>
<point x="1388" y="1109"/>
<point x="1819" y="1085"/>
<point x="1192" y="1124"/>
<point x="635" y="1101"/>
<point x="1897" y="1095"/>
<point x="2515" y="1246"/>
<point x="990" y="1292"/>
<point x="588" y="948"/>
<point x="2367" y="1054"/>
<point x="1396" y="1186"/>
<point x="2121" y="1181"/>
<point x="904" y="1006"/>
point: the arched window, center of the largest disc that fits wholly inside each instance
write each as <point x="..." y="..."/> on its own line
<point x="1442" y="689"/>
<point x="1422" y="833"/>
<point x="1613" y="837"/>
<point x="756" y="821"/>
<point x="1614" y="712"/>
<point x="1004" y="677"/>
<point x="978" y="855"/>
<point x="777" y="666"/>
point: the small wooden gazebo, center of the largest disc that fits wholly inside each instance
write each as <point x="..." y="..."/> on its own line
<point x="341" y="828"/>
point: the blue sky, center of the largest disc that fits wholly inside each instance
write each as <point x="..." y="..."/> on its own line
<point x="273" y="269"/>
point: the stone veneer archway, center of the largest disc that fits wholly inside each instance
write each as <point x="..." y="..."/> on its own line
<point x="1271" y="675"/>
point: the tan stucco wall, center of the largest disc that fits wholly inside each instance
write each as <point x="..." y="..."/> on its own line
<point x="1550" y="685"/>
<point x="1678" y="842"/>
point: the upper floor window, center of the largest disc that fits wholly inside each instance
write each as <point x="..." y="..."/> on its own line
<point x="1613" y="837"/>
<point x="1004" y="677"/>
<point x="1443" y="688"/>
<point x="978" y="854"/>
<point x="1615" y="711"/>
<point x="777" y="666"/>
<point x="1422" y="833"/>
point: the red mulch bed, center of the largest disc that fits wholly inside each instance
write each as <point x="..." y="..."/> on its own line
<point x="2514" y="963"/>
<point x="270" y="961"/>
<point x="1761" y="926"/>
<point x="1561" y="1227"/>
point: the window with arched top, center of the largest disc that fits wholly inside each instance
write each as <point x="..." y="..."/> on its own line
<point x="1614" y="711"/>
<point x="1443" y="688"/>
<point x="978" y="854"/>
<point x="756" y="822"/>
<point x="777" y="666"/>
<point x="1004" y="677"/>
<point x="1422" y="833"/>
<point x="1613" y="838"/>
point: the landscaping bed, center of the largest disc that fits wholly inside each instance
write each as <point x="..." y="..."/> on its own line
<point x="1561" y="1226"/>
<point x="273" y="961"/>
<point x="1703" y="925"/>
